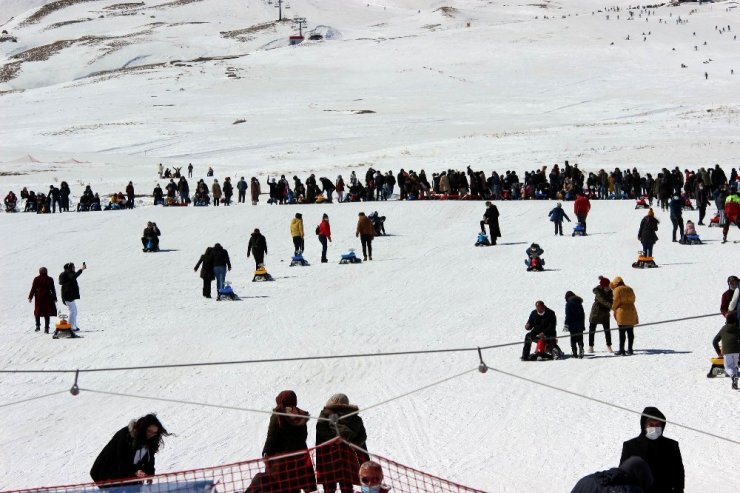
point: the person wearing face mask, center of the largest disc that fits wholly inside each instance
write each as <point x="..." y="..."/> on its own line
<point x="662" y="454"/>
<point x="371" y="478"/>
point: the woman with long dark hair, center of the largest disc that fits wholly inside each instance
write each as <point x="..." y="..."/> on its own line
<point x="130" y="453"/>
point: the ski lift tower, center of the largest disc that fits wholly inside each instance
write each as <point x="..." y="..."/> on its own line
<point x="300" y="23"/>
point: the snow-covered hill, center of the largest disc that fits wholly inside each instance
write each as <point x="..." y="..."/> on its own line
<point x="513" y="86"/>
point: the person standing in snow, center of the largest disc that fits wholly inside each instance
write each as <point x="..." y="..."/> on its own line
<point x="575" y="322"/>
<point x="662" y="454"/>
<point x="581" y="207"/>
<point x="647" y="234"/>
<point x="228" y="191"/>
<point x="732" y="212"/>
<point x="130" y="453"/>
<point x="729" y="334"/>
<point x="366" y="232"/>
<point x="287" y="435"/>
<point x="625" y="313"/>
<point x="601" y="313"/>
<point x="242" y="186"/>
<point x="255" y="191"/>
<point x="296" y="232"/>
<point x="71" y="291"/>
<point x="730" y="297"/>
<point x="45" y="294"/>
<point x="324" y="232"/>
<point x="490" y="217"/>
<point x="221" y="262"/>
<point x="339" y="463"/>
<point x="556" y="215"/>
<point x="216" y="192"/>
<point x="257" y="247"/>
<point x="675" y="206"/>
<point x="632" y="476"/>
<point x="206" y="271"/>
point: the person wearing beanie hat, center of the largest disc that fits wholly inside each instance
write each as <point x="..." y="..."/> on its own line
<point x="296" y="231"/>
<point x="662" y="454"/>
<point x="337" y="462"/>
<point x="601" y="313"/>
<point x="575" y="322"/>
<point x="287" y="433"/>
<point x="556" y="215"/>
<point x="730" y="298"/>
<point x="729" y="334"/>
<point x="257" y="246"/>
<point x="632" y="476"/>
<point x="647" y="234"/>
<point x="625" y="313"/>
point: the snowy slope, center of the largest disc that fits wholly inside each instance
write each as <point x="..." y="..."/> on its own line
<point x="521" y="87"/>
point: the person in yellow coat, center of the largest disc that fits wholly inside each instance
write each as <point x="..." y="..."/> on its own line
<point x="625" y="313"/>
<point x="296" y="231"/>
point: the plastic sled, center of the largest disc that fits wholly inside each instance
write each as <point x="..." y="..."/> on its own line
<point x="691" y="240"/>
<point x="642" y="204"/>
<point x="482" y="240"/>
<point x="579" y="230"/>
<point x="644" y="262"/>
<point x="261" y="274"/>
<point x="227" y="293"/>
<point x="714" y="222"/>
<point x="535" y="264"/>
<point x="63" y="330"/>
<point x="350" y="258"/>
<point x="718" y="367"/>
<point x="298" y="259"/>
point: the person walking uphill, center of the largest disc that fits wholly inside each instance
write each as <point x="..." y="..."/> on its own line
<point x="556" y="215"/>
<point x="625" y="313"/>
<point x="647" y="234"/>
<point x="366" y="231"/>
<point x="287" y="434"/>
<point x="296" y="231"/>
<point x="45" y="294"/>
<point x="581" y="207"/>
<point x="130" y="453"/>
<point x="601" y="313"/>
<point x="220" y="263"/>
<point x="338" y="462"/>
<point x="729" y="334"/>
<point x="258" y="247"/>
<point x="662" y="454"/>
<point x="71" y="290"/>
<point x="324" y="232"/>
<point x="490" y="217"/>
<point x="206" y="271"/>
<point x="575" y="322"/>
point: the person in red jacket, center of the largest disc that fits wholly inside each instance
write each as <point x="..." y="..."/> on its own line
<point x="732" y="212"/>
<point x="324" y="232"/>
<point x="730" y="297"/>
<point x="46" y="297"/>
<point x="581" y="207"/>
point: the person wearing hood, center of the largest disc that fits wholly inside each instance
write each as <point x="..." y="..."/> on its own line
<point x="556" y="215"/>
<point x="625" y="313"/>
<point x="258" y="247"/>
<point x="575" y="322"/>
<point x="729" y="334"/>
<point x="220" y="263"/>
<point x="130" y="453"/>
<point x="46" y="298"/>
<point x="601" y="313"/>
<point x="632" y="476"/>
<point x="286" y="434"/>
<point x="662" y="454"/>
<point x="337" y="462"/>
<point x="206" y="271"/>
<point x="647" y="234"/>
<point x="296" y="231"/>
<point x="730" y="298"/>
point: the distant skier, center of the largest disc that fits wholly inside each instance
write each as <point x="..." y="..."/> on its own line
<point x="556" y="215"/>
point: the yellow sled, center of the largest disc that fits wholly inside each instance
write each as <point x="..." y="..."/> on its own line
<point x="261" y="274"/>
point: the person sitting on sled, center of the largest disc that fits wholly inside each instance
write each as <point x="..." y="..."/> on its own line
<point x="542" y="323"/>
<point x="534" y="252"/>
<point x="151" y="234"/>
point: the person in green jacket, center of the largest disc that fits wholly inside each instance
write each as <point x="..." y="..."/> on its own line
<point x="729" y="334"/>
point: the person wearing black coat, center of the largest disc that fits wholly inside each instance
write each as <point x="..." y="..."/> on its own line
<point x="490" y="217"/>
<point x="228" y="190"/>
<point x="542" y="322"/>
<point x="151" y="233"/>
<point x="258" y="247"/>
<point x="662" y="454"/>
<point x="285" y="435"/>
<point x="632" y="476"/>
<point x="71" y="290"/>
<point x="676" y="210"/>
<point x="130" y="453"/>
<point x="575" y="322"/>
<point x="206" y="272"/>
<point x="220" y="263"/>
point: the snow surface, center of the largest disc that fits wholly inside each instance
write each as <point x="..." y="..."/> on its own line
<point x="512" y="91"/>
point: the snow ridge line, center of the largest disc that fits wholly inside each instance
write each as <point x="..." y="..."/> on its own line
<point x="327" y="357"/>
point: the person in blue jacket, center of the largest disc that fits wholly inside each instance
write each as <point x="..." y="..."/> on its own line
<point x="556" y="215"/>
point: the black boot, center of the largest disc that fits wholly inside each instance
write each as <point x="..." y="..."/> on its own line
<point x="734" y="383"/>
<point x="38" y="328"/>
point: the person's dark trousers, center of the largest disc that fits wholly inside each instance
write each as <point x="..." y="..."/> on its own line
<point x="576" y="341"/>
<point x="46" y="323"/>
<point x="54" y="204"/>
<point x="324" y="241"/>
<point x="582" y="219"/>
<point x="297" y="244"/>
<point x="559" y="228"/>
<point x="702" y="214"/>
<point x="483" y="226"/>
<point x="242" y="196"/>
<point x="628" y="332"/>
<point x="677" y="225"/>
<point x="343" y="487"/>
<point x="258" y="259"/>
<point x="130" y="202"/>
<point x="647" y="249"/>
<point x="207" y="287"/>
<point x="527" y="349"/>
<point x="592" y="334"/>
<point x="367" y="246"/>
